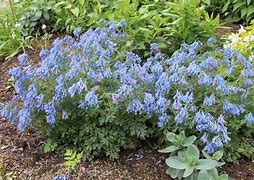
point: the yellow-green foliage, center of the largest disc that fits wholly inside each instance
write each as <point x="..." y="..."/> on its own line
<point x="243" y="41"/>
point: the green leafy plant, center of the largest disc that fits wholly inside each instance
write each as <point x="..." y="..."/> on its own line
<point x="166" y="23"/>
<point x="11" y="38"/>
<point x="185" y="162"/>
<point x="72" y="158"/>
<point x="37" y="14"/>
<point x="236" y="10"/>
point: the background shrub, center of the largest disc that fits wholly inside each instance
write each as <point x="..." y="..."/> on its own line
<point x="233" y="10"/>
<point x="165" y="22"/>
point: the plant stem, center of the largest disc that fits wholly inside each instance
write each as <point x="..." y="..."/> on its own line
<point x="12" y="10"/>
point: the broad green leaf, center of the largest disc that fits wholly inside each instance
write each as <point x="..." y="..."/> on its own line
<point x="192" y="151"/>
<point x="225" y="8"/>
<point x="82" y="2"/>
<point x="170" y="136"/>
<point x="217" y="155"/>
<point x="238" y="5"/>
<point x="213" y="172"/>
<point x="75" y="11"/>
<point x="188" y="171"/>
<point x="176" y="162"/>
<point x="248" y="2"/>
<point x="244" y="12"/>
<point x="189" y="141"/>
<point x="203" y="175"/>
<point x="206" y="164"/>
<point x="250" y="10"/>
<point x="207" y="156"/>
<point x="223" y="177"/>
<point x="169" y="149"/>
<point x="172" y="172"/>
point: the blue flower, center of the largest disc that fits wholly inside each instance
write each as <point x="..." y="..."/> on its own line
<point x="91" y="99"/>
<point x="61" y="177"/>
<point x="122" y="23"/>
<point x="233" y="109"/>
<point x="135" y="107"/>
<point x="182" y="115"/>
<point x="77" y="32"/>
<point x="149" y="104"/>
<point x="25" y="118"/>
<point x="43" y="54"/>
<point x="209" y="101"/>
<point x="204" y="80"/>
<point x="249" y="118"/>
<point x="23" y="59"/>
<point x="163" y="119"/>
<point x="204" y="138"/>
<point x="154" y="48"/>
<point x="50" y="112"/>
<point x="211" y="41"/>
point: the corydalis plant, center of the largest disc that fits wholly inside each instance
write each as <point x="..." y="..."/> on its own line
<point x="87" y="78"/>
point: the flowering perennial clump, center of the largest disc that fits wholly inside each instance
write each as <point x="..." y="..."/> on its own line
<point x="201" y="90"/>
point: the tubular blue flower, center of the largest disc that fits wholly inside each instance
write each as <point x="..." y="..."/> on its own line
<point x="91" y="99"/>
<point x="39" y="102"/>
<point x="23" y="59"/>
<point x="209" y="148"/>
<point x="157" y="69"/>
<point x="203" y="121"/>
<point x="125" y="91"/>
<point x="204" y="138"/>
<point x="60" y="91"/>
<point x="193" y="69"/>
<point x="122" y="23"/>
<point x="161" y="104"/>
<point x="77" y="32"/>
<point x="135" y="107"/>
<point x="232" y="109"/>
<point x="7" y="110"/>
<point x="30" y="96"/>
<point x="211" y="41"/>
<point x="162" y="85"/>
<point x="209" y="101"/>
<point x="25" y="118"/>
<point x="163" y="119"/>
<point x="249" y="118"/>
<point x="154" y="48"/>
<point x="132" y="58"/>
<point x="182" y="115"/>
<point x="204" y="80"/>
<point x="50" y="112"/>
<point x="210" y="63"/>
<point x="149" y="104"/>
<point x="77" y="88"/>
<point x="43" y="54"/>
<point x="188" y="97"/>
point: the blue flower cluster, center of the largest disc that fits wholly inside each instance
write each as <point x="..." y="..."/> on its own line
<point x="188" y="88"/>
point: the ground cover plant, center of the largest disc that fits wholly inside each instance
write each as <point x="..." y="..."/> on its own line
<point x="114" y="85"/>
<point x="113" y="100"/>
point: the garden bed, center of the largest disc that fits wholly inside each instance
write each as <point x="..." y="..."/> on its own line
<point x="23" y="153"/>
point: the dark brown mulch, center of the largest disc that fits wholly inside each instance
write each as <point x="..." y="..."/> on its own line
<point x="23" y="153"/>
